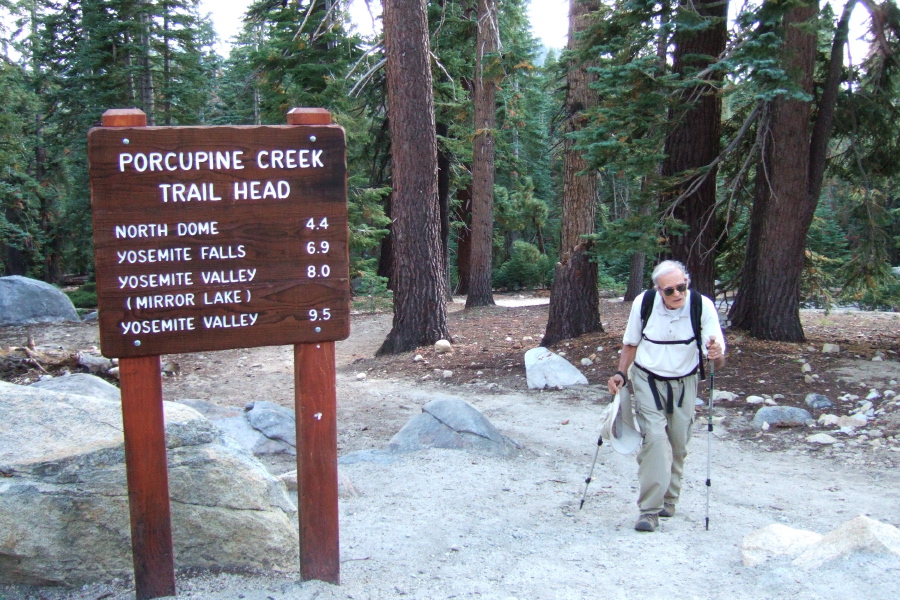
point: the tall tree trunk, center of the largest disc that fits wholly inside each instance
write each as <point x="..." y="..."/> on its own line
<point x="145" y="82"/>
<point x="636" y="276"/>
<point x="694" y="143"/>
<point x="788" y="184"/>
<point x="574" y="297"/>
<point x="444" y="202"/>
<point x="420" y="312"/>
<point x="463" y="240"/>
<point x="480" y="270"/>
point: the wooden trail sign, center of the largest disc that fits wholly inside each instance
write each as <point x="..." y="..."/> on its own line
<point x="212" y="238"/>
<point x="209" y="238"/>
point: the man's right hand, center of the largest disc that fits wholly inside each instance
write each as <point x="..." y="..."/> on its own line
<point x="616" y="383"/>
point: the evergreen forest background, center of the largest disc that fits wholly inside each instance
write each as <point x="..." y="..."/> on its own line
<point x="772" y="78"/>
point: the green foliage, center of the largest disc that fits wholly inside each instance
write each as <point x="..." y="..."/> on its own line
<point x="884" y="296"/>
<point x="526" y="268"/>
<point x="371" y="294"/>
<point x="85" y="296"/>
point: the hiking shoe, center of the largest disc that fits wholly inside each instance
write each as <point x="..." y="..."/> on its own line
<point x="647" y="522"/>
<point x="668" y="510"/>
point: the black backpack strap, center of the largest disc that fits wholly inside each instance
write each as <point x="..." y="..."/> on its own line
<point x="696" y="318"/>
<point x="647" y="308"/>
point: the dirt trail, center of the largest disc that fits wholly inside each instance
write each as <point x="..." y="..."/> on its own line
<point x="447" y="524"/>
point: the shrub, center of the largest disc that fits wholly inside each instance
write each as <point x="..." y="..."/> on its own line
<point x="526" y="268"/>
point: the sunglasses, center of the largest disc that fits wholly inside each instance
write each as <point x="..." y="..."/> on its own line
<point x="681" y="288"/>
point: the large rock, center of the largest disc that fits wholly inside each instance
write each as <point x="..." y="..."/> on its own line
<point x="241" y="425"/>
<point x="64" y="500"/>
<point x="862" y="534"/>
<point x="782" y="416"/>
<point x="275" y="422"/>
<point x="775" y="541"/>
<point x="546" y="369"/>
<point x="451" y="423"/>
<point x="25" y="301"/>
<point x="81" y="384"/>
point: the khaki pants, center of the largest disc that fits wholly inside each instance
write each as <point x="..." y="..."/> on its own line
<point x="665" y="438"/>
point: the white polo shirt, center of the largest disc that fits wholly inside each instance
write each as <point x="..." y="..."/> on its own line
<point x="664" y="325"/>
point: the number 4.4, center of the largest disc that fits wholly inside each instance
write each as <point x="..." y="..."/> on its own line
<point x="323" y="223"/>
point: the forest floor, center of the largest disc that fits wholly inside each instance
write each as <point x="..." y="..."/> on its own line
<point x="445" y="524"/>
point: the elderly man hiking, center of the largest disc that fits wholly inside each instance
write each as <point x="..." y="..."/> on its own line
<point x="668" y="327"/>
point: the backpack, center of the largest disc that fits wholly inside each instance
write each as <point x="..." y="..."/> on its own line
<point x="696" y="309"/>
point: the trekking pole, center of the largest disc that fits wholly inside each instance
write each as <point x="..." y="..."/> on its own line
<point x="587" y="481"/>
<point x="709" y="429"/>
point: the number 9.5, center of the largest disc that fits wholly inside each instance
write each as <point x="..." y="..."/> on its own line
<point x="315" y="315"/>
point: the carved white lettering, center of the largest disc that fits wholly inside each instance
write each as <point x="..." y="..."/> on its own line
<point x="222" y="252"/>
<point x="141" y="231"/>
<point x="153" y="255"/>
<point x="157" y="325"/>
<point x="155" y="280"/>
<point x="225" y="297"/>
<point x="232" y="276"/>
<point x="229" y="321"/>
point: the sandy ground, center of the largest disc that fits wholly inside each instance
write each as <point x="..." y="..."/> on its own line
<point x="447" y="524"/>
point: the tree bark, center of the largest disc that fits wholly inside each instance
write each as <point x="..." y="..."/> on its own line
<point x="574" y="297"/>
<point x="636" y="276"/>
<point x="443" y="162"/>
<point x="694" y="143"/>
<point x="768" y="302"/>
<point x="480" y="270"/>
<point x="420" y="312"/>
<point x="463" y="240"/>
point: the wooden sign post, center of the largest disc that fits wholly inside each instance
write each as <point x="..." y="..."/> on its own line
<point x="212" y="238"/>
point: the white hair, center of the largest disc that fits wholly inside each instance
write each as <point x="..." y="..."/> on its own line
<point x="666" y="267"/>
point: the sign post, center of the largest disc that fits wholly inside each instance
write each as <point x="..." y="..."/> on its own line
<point x="212" y="238"/>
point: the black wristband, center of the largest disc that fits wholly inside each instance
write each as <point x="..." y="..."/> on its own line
<point x="624" y="378"/>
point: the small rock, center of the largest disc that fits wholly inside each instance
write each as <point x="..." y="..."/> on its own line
<point x="818" y="402"/>
<point x="94" y="364"/>
<point x="877" y="359"/>
<point x="821" y="438"/>
<point x="724" y="396"/>
<point x="782" y="416"/>
<point x="831" y="348"/>
<point x="114" y="372"/>
<point x="853" y="422"/>
<point x="447" y="374"/>
<point x="828" y="420"/>
<point x="443" y="347"/>
<point x="361" y="376"/>
<point x="809" y="378"/>
<point x="418" y="358"/>
<point x="873" y="395"/>
<point x="806" y="368"/>
<point x="586" y="362"/>
<point x="509" y="339"/>
<point x="755" y="399"/>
